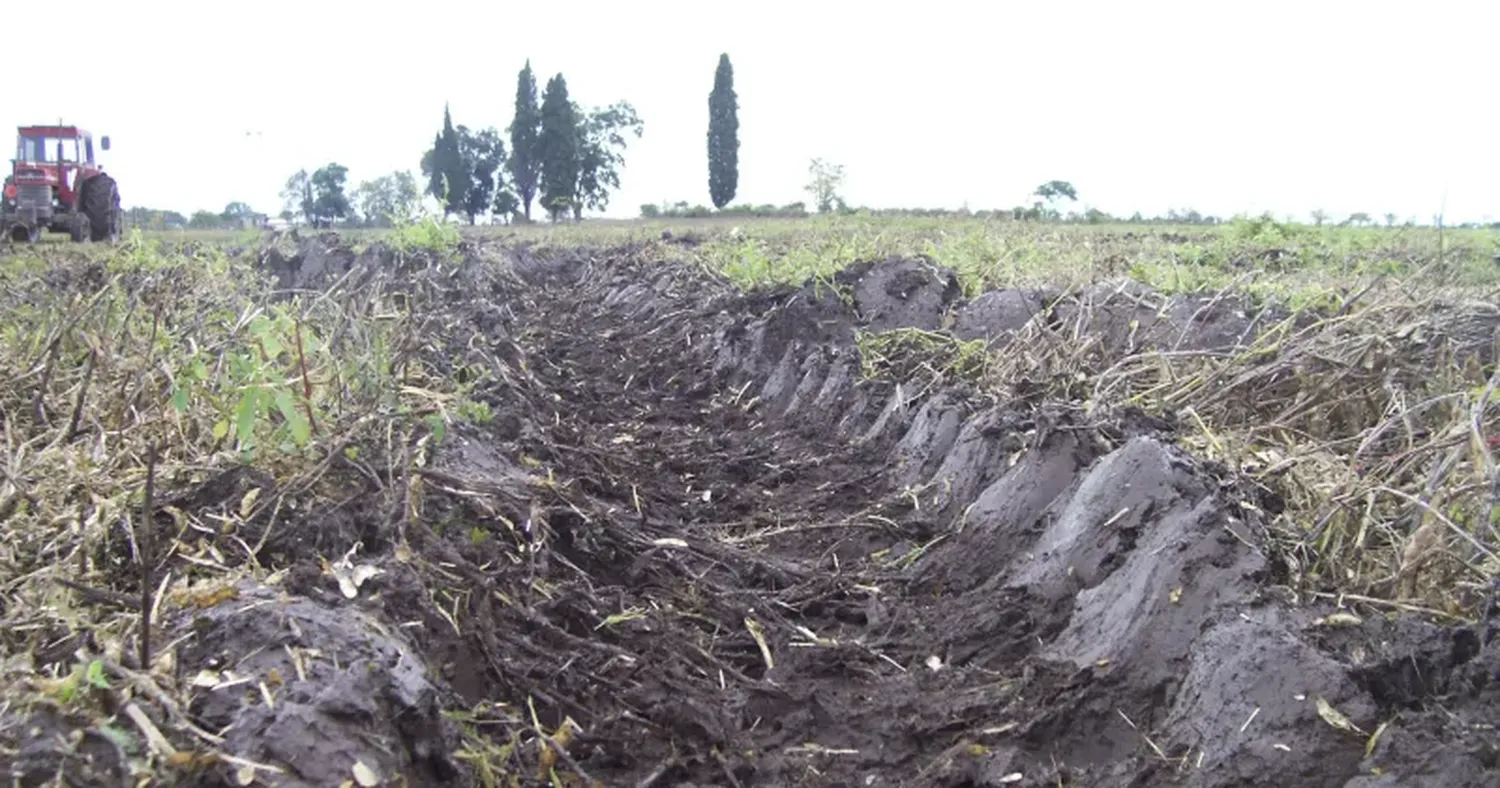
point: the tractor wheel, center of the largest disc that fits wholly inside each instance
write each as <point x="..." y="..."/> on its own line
<point x="25" y="234"/>
<point x="101" y="203"/>
<point x="78" y="228"/>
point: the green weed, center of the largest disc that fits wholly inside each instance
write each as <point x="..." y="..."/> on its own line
<point x="424" y="234"/>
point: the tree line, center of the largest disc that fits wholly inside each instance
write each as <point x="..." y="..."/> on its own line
<point x="565" y="159"/>
<point x="562" y="157"/>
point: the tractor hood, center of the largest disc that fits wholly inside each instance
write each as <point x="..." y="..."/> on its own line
<point x="37" y="173"/>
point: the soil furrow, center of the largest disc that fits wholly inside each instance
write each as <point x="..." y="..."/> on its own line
<point x="692" y="526"/>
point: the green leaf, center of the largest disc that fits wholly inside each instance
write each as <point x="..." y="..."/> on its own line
<point x="262" y="328"/>
<point x="438" y="426"/>
<point x="272" y="345"/>
<point x="311" y="342"/>
<point x="69" y="689"/>
<point x="180" y="400"/>
<point x="245" y="413"/>
<point x="221" y="428"/>
<point x="295" y="420"/>
<point x="96" y="675"/>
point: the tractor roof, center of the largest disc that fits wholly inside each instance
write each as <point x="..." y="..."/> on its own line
<point x="53" y="131"/>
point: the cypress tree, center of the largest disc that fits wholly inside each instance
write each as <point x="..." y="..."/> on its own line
<point x="723" y="136"/>
<point x="432" y="166"/>
<point x="525" y="131"/>
<point x="450" y="162"/>
<point x="558" y="148"/>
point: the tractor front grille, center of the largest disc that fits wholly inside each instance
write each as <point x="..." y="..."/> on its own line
<point x="37" y="195"/>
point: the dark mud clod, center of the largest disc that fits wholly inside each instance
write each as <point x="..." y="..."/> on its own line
<point x="346" y="690"/>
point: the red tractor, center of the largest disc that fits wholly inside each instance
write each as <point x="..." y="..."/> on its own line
<point x="55" y="184"/>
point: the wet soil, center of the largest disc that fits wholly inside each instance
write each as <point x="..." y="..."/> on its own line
<point x="692" y="529"/>
<point x="1124" y="316"/>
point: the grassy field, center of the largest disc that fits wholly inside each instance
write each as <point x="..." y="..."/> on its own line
<point x="1258" y="255"/>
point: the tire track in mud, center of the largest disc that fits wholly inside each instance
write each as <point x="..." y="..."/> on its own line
<point x="1048" y="598"/>
<point x="750" y="566"/>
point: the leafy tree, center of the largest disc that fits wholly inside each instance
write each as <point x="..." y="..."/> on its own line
<point x="507" y="205"/>
<point x="1390" y="220"/>
<point x="437" y="186"/>
<point x="481" y="155"/>
<point x="329" y="200"/>
<point x="297" y="195"/>
<point x="1319" y="216"/>
<point x="388" y="199"/>
<point x="236" y="212"/>
<point x="1049" y="193"/>
<point x="723" y="136"/>
<point x="1359" y="218"/>
<point x="525" y="140"/>
<point x="205" y="220"/>
<point x="1053" y="191"/>
<point x="447" y="176"/>
<point x="601" y="142"/>
<point x="559" y="149"/>
<point x="827" y="180"/>
<point x="405" y="199"/>
<point x="370" y="199"/>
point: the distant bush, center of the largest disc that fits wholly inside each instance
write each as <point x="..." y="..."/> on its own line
<point x="1021" y="213"/>
<point x="1261" y="229"/>
<point x="794" y="210"/>
<point x="683" y="210"/>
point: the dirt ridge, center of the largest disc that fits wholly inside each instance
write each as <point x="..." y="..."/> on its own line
<point x="1123" y="627"/>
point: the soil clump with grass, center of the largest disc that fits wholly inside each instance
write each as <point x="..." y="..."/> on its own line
<point x="686" y="534"/>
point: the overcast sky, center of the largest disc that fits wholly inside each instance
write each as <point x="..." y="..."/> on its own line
<point x="1223" y="107"/>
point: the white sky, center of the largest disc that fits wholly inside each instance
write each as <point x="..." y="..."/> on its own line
<point x="1219" y="106"/>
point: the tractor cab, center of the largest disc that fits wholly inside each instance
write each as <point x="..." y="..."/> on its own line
<point x="56" y="183"/>
<point x="56" y="144"/>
